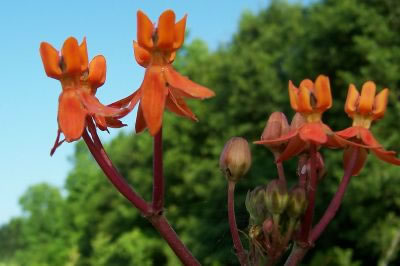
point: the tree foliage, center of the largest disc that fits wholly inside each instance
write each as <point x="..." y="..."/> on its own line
<point x="351" y="41"/>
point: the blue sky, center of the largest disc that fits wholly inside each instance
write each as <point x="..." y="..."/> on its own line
<point x="29" y="99"/>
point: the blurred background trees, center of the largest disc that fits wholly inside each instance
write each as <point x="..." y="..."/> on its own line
<point x="351" y="41"/>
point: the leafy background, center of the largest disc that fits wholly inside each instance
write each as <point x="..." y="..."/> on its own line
<point x="351" y="41"/>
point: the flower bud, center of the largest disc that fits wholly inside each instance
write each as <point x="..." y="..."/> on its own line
<point x="268" y="226"/>
<point x="235" y="159"/>
<point x="276" y="197"/>
<point x="298" y="121"/>
<point x="297" y="203"/>
<point x="255" y="205"/>
<point x="277" y="126"/>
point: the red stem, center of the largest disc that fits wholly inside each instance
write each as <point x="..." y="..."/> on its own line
<point x="306" y="224"/>
<point x="281" y="172"/>
<point x="298" y="253"/>
<point x="337" y="199"/>
<point x="166" y="231"/>
<point x="115" y="178"/>
<point x="240" y="252"/>
<point x="158" y="177"/>
<point x="158" y="221"/>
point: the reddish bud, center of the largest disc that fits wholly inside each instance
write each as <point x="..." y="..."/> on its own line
<point x="277" y="126"/>
<point x="235" y="159"/>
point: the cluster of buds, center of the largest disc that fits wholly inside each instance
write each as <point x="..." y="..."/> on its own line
<point x="274" y="216"/>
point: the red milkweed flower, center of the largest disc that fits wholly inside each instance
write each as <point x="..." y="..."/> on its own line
<point x="79" y="81"/>
<point x="311" y="100"/>
<point x="364" y="109"/>
<point x="162" y="86"/>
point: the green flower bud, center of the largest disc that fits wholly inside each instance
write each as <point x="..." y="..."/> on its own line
<point x="297" y="204"/>
<point x="235" y="159"/>
<point x="255" y="205"/>
<point x="276" y="197"/>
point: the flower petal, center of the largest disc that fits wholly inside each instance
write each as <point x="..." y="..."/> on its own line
<point x="367" y="98"/>
<point x="178" y="106"/>
<point x="71" y="56"/>
<point x="186" y="87"/>
<point x="360" y="160"/>
<point x="350" y="106"/>
<point x="294" y="147"/>
<point x="71" y="116"/>
<point x="94" y="107"/>
<point x="380" y="104"/>
<point x="349" y="132"/>
<point x="142" y="56"/>
<point x="145" y="31"/>
<point x="293" y="95"/>
<point x="166" y="30"/>
<point x="322" y="92"/>
<point x="153" y="92"/>
<point x="179" y="33"/>
<point x="51" y="60"/>
<point x="140" y="124"/>
<point x="291" y="134"/>
<point x="313" y="132"/>
<point x="368" y="139"/>
<point x="97" y="72"/>
<point x="84" y="55"/>
<point x="387" y="156"/>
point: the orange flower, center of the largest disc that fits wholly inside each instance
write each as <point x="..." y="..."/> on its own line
<point x="79" y="81"/>
<point x="162" y="86"/>
<point x="310" y="100"/>
<point x="364" y="109"/>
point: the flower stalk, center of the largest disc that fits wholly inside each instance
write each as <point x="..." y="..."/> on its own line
<point x="158" y="176"/>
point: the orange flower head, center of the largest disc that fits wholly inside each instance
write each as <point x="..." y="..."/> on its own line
<point x="79" y="81"/>
<point x="365" y="108"/>
<point x="162" y="86"/>
<point x="311" y="99"/>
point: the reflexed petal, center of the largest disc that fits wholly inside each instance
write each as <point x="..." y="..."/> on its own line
<point x="97" y="72"/>
<point x="294" y="147"/>
<point x="179" y="33"/>
<point x="94" y="107"/>
<point x="100" y="122"/>
<point x="145" y="30"/>
<point x="114" y="123"/>
<point x="50" y="60"/>
<point x="368" y="139"/>
<point x="184" y="86"/>
<point x="380" y="104"/>
<point x="304" y="102"/>
<point x="127" y="104"/>
<point x="323" y="92"/>
<point x="313" y="132"/>
<point x="166" y="30"/>
<point x="71" y="116"/>
<point x="387" y="156"/>
<point x="350" y="132"/>
<point x="71" y="56"/>
<point x="140" y="124"/>
<point x="84" y="55"/>
<point x="293" y="92"/>
<point x="179" y="107"/>
<point x="291" y="134"/>
<point x="350" y="106"/>
<point x="360" y="161"/>
<point x="153" y="92"/>
<point x="142" y="56"/>
<point x="172" y="57"/>
<point x="367" y="98"/>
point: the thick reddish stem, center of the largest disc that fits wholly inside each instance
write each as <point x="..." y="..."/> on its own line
<point x="158" y="177"/>
<point x="240" y="252"/>
<point x="306" y="224"/>
<point x="158" y="221"/>
<point x="166" y="231"/>
<point x="337" y="199"/>
<point x="115" y="178"/>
